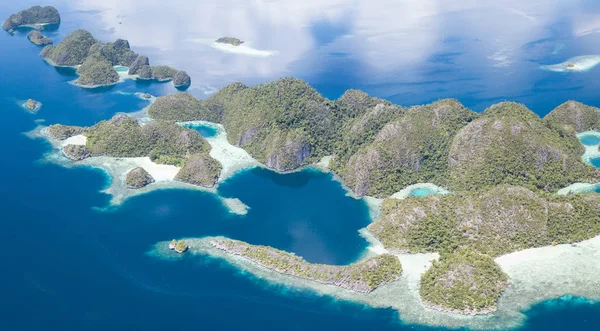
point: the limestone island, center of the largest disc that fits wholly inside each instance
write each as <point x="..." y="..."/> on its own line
<point x="178" y="246"/>
<point x="163" y="142"/>
<point x="497" y="174"/>
<point x="96" y="61"/>
<point x="32" y="105"/>
<point x="138" y="178"/>
<point x="35" y="17"/>
<point x="229" y="41"/>
<point x="39" y="39"/>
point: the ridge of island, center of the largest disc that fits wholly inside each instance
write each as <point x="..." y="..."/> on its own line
<point x="35" y="17"/>
<point x="503" y="168"/>
<point x="96" y="61"/>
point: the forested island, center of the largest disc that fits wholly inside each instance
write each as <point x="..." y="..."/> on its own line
<point x="35" y="17"/>
<point x="96" y="61"/>
<point x="39" y="39"/>
<point x="164" y="142"/>
<point x="503" y="167"/>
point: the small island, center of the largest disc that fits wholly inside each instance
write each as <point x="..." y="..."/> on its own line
<point x="229" y="40"/>
<point x="32" y="105"/>
<point x="178" y="246"/>
<point x="164" y="142"/>
<point x="137" y="178"/>
<point x="96" y="61"/>
<point x="363" y="277"/>
<point x="39" y="39"/>
<point x="35" y="17"/>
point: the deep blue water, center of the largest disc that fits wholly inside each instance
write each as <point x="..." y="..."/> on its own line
<point x="68" y="266"/>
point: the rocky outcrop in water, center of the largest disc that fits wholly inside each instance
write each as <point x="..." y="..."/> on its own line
<point x="62" y="132"/>
<point x="33" y="16"/>
<point x="76" y="152"/>
<point x="182" y="79"/>
<point x="71" y="51"/>
<point x="201" y="170"/>
<point x="229" y="40"/>
<point x="39" y="39"/>
<point x="138" y="178"/>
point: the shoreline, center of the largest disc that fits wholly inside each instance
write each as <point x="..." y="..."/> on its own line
<point x="536" y="275"/>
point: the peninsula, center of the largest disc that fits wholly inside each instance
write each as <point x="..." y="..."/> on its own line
<point x="35" y="17"/>
<point x="96" y="61"/>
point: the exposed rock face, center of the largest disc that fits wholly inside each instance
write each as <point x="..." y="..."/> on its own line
<point x="361" y="277"/>
<point x="229" y="40"/>
<point x="76" y="152"/>
<point x="32" y="105"/>
<point x="138" y="178"/>
<point x="288" y="152"/>
<point x="182" y="79"/>
<point x="62" y="132"/>
<point x="201" y="170"/>
<point x="509" y="144"/>
<point x="39" y="39"/>
<point x="32" y="16"/>
<point x="71" y="51"/>
<point x="96" y="71"/>
<point x="412" y="149"/>
<point x="573" y="116"/>
<point x="137" y="65"/>
<point x="117" y="53"/>
<point x="464" y="282"/>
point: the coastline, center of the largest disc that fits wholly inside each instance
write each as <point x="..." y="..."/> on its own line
<point x="536" y="275"/>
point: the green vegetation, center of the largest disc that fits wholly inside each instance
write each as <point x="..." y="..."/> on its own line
<point x="160" y="73"/>
<point x="182" y="79"/>
<point x="574" y="117"/>
<point x="62" y="132"/>
<point x="230" y="41"/>
<point x="137" y="65"/>
<point x="509" y="144"/>
<point x="32" y="16"/>
<point x="163" y="141"/>
<point x="96" y="71"/>
<point x="178" y="107"/>
<point x="181" y="246"/>
<point x="117" y="53"/>
<point x="201" y="170"/>
<point x="466" y="282"/>
<point x="361" y="277"/>
<point x="39" y="39"/>
<point x="76" y="152"/>
<point x="501" y="220"/>
<point x="71" y="51"/>
<point x="138" y="178"/>
<point x="402" y="150"/>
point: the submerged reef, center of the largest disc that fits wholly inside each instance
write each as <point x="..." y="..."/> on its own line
<point x="96" y="61"/>
<point x="361" y="277"/>
<point x="35" y="16"/>
<point x="39" y="39"/>
<point x="229" y="40"/>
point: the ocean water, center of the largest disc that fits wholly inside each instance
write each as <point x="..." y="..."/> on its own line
<point x="69" y="266"/>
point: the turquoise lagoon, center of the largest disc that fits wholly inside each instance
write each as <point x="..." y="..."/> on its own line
<point x="70" y="266"/>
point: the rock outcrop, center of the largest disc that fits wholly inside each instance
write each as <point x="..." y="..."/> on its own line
<point x="201" y="170"/>
<point x="96" y="71"/>
<point x="138" y="178"/>
<point x="229" y="40"/>
<point x="76" y="152"/>
<point x="33" y="16"/>
<point x="71" y="51"/>
<point x="39" y="39"/>
<point x="182" y="79"/>
<point x="62" y="132"/>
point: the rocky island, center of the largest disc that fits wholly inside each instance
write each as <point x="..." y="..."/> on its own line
<point x="164" y="142"/>
<point x="96" y="61"/>
<point x="178" y="246"/>
<point x="39" y="39"/>
<point x="32" y="105"/>
<point x="362" y="277"/>
<point x="138" y="178"/>
<point x="35" y="17"/>
<point x="229" y="41"/>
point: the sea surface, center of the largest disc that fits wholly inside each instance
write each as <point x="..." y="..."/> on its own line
<point x="69" y="264"/>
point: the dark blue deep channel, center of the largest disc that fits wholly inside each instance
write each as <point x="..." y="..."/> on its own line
<point x="68" y="266"/>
